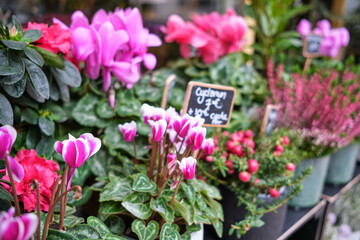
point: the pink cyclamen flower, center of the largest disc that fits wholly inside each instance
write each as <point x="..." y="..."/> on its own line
<point x="128" y="130"/>
<point x="17" y="228"/>
<point x="76" y="151"/>
<point x="158" y="129"/>
<point x="187" y="166"/>
<point x="170" y="113"/>
<point x="151" y="113"/>
<point x="7" y="138"/>
<point x="181" y="125"/>
<point x="195" y="137"/>
<point x="304" y="28"/>
<point x="171" y="161"/>
<point x="208" y="146"/>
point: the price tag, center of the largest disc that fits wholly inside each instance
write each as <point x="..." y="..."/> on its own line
<point x="269" y="122"/>
<point x="212" y="102"/>
<point x="311" y="47"/>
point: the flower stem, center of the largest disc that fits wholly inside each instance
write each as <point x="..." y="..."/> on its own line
<point x="37" y="185"/>
<point x="134" y="145"/>
<point x="176" y="190"/>
<point x="16" y="200"/>
<point x="159" y="165"/>
<point x="63" y="201"/>
<point x="153" y="159"/>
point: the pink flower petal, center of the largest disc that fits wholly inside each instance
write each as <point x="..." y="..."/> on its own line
<point x="16" y="169"/>
<point x="30" y="222"/>
<point x="58" y="146"/>
<point x="149" y="61"/>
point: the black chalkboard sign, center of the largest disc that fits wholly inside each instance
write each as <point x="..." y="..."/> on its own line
<point x="312" y="46"/>
<point x="212" y="102"/>
<point x="269" y="122"/>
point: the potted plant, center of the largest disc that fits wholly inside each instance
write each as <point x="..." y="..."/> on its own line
<point x="257" y="177"/>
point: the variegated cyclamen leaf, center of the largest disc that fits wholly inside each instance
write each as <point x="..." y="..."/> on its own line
<point x="113" y="237"/>
<point x="143" y="184"/>
<point x="98" y="225"/>
<point x="190" y="191"/>
<point x="116" y="190"/>
<point x="169" y="232"/>
<point x="134" y="203"/>
<point x="144" y="232"/>
<point x="160" y="205"/>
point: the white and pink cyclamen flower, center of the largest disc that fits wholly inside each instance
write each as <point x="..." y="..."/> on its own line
<point x="195" y="137"/>
<point x="171" y="161"/>
<point x="7" y="138"/>
<point x="76" y="151"/>
<point x="128" y="130"/>
<point x="17" y="228"/>
<point x="158" y="129"/>
<point x="188" y="166"/>
<point x="208" y="146"/>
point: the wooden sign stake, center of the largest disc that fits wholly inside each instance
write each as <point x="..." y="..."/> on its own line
<point x="166" y="90"/>
<point x="311" y="52"/>
<point x="306" y="66"/>
<point x="266" y="118"/>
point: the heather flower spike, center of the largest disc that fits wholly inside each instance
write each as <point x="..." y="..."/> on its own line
<point x="76" y="151"/>
<point x="187" y="166"/>
<point x="128" y="130"/>
<point x="17" y="228"/>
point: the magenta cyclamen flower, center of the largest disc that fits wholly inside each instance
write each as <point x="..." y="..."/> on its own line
<point x="158" y="129"/>
<point x="76" y="151"/>
<point x="171" y="161"/>
<point x="151" y="113"/>
<point x="187" y="166"/>
<point x="181" y="125"/>
<point x="128" y="130"/>
<point x="17" y="228"/>
<point x="195" y="137"/>
<point x="208" y="146"/>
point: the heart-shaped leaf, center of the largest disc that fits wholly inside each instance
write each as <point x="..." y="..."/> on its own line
<point x="116" y="190"/>
<point x="84" y="231"/>
<point x="14" y="44"/>
<point x="134" y="203"/>
<point x="143" y="184"/>
<point x="115" y="224"/>
<point x="160" y="205"/>
<point x="144" y="232"/>
<point x="114" y="237"/>
<point x="109" y="208"/>
<point x="186" y="210"/>
<point x="190" y="191"/>
<point x="98" y="225"/>
<point x="55" y="234"/>
<point x="169" y="232"/>
<point x="104" y="110"/>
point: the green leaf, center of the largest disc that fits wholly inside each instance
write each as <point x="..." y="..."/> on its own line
<point x="177" y="98"/>
<point x="5" y="205"/>
<point x="31" y="35"/>
<point x="113" y="237"/>
<point x="50" y="58"/>
<point x="144" y="232"/>
<point x="190" y="191"/>
<point x="20" y="139"/>
<point x="47" y="126"/>
<point x="186" y="210"/>
<point x="116" y="190"/>
<point x="17" y="89"/>
<point x="69" y="221"/>
<point x="169" y="232"/>
<point x="134" y="203"/>
<point x="81" y="174"/>
<point x="33" y="137"/>
<point x="209" y="190"/>
<point x="18" y="64"/>
<point x="16" y="24"/>
<point x="109" y="208"/>
<point x="115" y="224"/>
<point x="6" y="112"/>
<point x="220" y="71"/>
<point x="143" y="128"/>
<point x="54" y="91"/>
<point x="38" y="79"/>
<point x="100" y="163"/>
<point x="83" y="232"/>
<point x="5" y="195"/>
<point x="218" y="226"/>
<point x="59" y="235"/>
<point x="42" y="223"/>
<point x="46" y="146"/>
<point x="143" y="184"/>
<point x="85" y="197"/>
<point x="148" y="93"/>
<point x="33" y="93"/>
<point x="104" y="110"/>
<point x="64" y="90"/>
<point x="15" y="45"/>
<point x="7" y="70"/>
<point x="29" y="116"/>
<point x="70" y="75"/>
<point x="34" y="56"/>
<point x="129" y="108"/>
<point x="84" y="112"/>
<point x="98" y="225"/>
<point x="160" y="205"/>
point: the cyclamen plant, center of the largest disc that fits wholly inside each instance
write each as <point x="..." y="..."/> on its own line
<point x="210" y="35"/>
<point x="326" y="114"/>
<point x="160" y="198"/>
<point x="250" y="166"/>
<point x="332" y="38"/>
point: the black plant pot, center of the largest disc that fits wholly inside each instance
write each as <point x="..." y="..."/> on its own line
<point x="271" y="230"/>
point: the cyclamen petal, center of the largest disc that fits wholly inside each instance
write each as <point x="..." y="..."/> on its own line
<point x="7" y="138"/>
<point x="128" y="130"/>
<point x="188" y="166"/>
<point x="158" y="129"/>
<point x="30" y="222"/>
<point x="16" y="169"/>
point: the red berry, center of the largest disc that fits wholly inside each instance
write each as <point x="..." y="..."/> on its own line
<point x="230" y="146"/>
<point x="237" y="150"/>
<point x="201" y="177"/>
<point x="257" y="181"/>
<point x="209" y="158"/>
<point x="249" y="142"/>
<point x="279" y="148"/>
<point x="225" y="133"/>
<point x="274" y="192"/>
<point x="229" y="164"/>
<point x="244" y="176"/>
<point x="231" y="171"/>
<point x="253" y="165"/>
<point x="290" y="167"/>
<point x="248" y="134"/>
<point x="234" y="137"/>
<point x="240" y="135"/>
<point x="285" y="140"/>
<point x="277" y="153"/>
